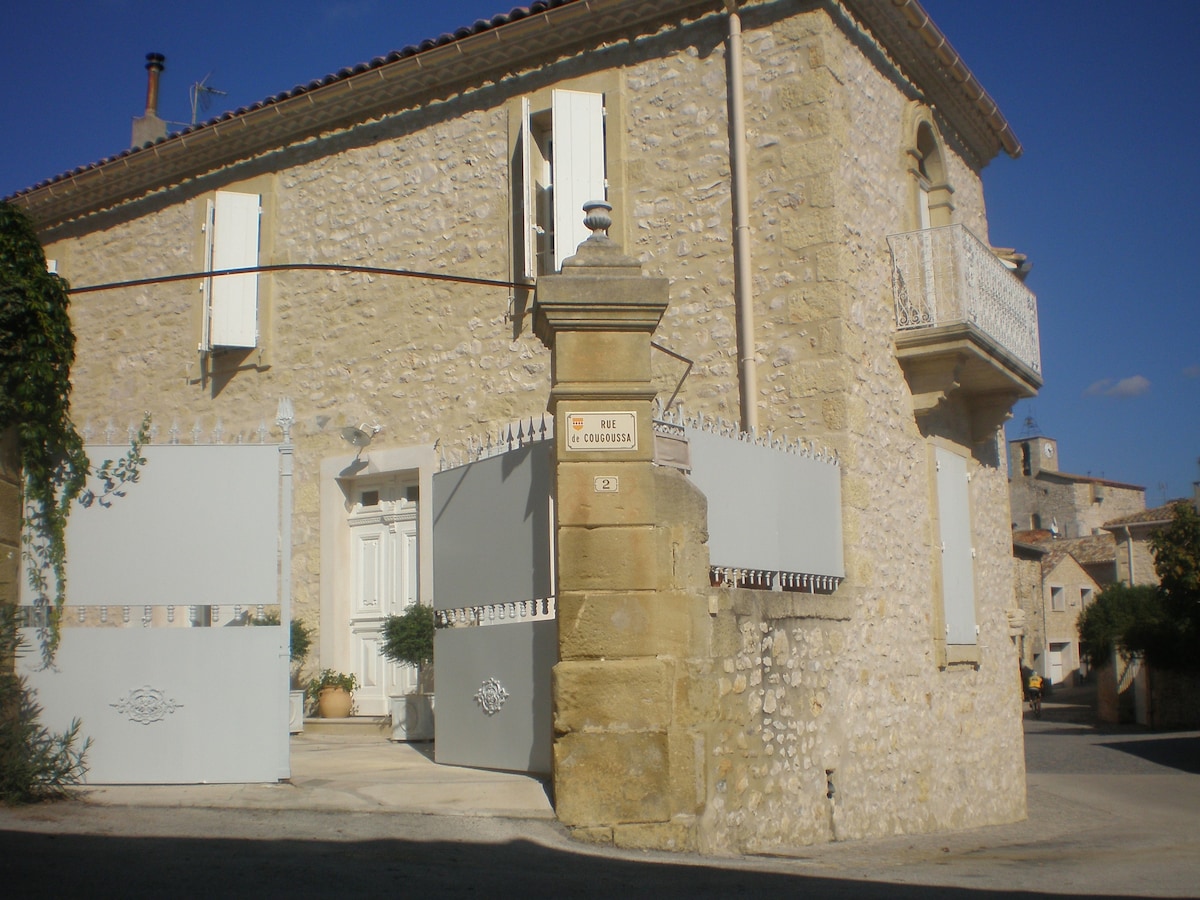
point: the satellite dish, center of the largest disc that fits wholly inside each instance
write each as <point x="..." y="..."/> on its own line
<point x="360" y="435"/>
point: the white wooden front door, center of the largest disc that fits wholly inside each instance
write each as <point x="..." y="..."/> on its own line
<point x="383" y="534"/>
<point x="1056" y="663"/>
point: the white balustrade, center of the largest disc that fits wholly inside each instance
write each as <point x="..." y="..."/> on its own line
<point x="946" y="276"/>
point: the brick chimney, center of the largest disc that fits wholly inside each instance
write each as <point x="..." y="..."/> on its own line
<point x="149" y="127"/>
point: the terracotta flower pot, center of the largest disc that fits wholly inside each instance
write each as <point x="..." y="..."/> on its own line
<point x="333" y="703"/>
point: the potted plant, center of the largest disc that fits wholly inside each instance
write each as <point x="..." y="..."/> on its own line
<point x="333" y="692"/>
<point x="408" y="639"/>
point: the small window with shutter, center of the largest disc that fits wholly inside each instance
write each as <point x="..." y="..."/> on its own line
<point x="231" y="242"/>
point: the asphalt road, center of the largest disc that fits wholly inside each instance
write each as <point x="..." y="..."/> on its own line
<point x="1112" y="814"/>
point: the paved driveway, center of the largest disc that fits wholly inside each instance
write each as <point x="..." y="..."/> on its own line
<point x="1112" y="814"/>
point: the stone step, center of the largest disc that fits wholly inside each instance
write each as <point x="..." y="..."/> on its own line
<point x="361" y="726"/>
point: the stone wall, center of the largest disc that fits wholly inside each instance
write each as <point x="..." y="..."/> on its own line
<point x="1174" y="699"/>
<point x="1027" y="584"/>
<point x="1133" y="549"/>
<point x="426" y="360"/>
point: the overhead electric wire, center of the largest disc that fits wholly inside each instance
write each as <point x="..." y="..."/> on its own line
<point x="287" y="267"/>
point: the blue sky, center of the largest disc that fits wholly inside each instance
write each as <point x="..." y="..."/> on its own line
<point x="1102" y="93"/>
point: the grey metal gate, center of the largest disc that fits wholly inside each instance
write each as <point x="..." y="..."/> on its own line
<point x="493" y="586"/>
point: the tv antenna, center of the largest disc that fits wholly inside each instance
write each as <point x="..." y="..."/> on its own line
<point x="201" y="94"/>
<point x="1030" y="426"/>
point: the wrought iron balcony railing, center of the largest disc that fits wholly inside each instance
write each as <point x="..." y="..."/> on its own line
<point x="947" y="276"/>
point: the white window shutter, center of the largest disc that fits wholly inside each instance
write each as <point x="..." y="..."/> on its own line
<point x="958" y="567"/>
<point x="206" y="285"/>
<point x="578" y="160"/>
<point x="528" y="224"/>
<point x="233" y="313"/>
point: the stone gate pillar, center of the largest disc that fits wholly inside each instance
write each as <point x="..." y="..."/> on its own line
<point x="624" y="760"/>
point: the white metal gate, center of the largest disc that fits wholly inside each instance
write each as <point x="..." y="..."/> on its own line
<point x="168" y="692"/>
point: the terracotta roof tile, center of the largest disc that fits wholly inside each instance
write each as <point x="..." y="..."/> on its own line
<point x="1089" y="550"/>
<point x="1157" y="516"/>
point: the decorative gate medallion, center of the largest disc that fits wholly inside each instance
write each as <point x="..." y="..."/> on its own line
<point x="491" y="696"/>
<point x="145" y="705"/>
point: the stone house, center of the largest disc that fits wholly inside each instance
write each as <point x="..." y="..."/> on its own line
<point x="1132" y="533"/>
<point x="830" y="278"/>
<point x="1053" y="588"/>
<point x="1070" y="506"/>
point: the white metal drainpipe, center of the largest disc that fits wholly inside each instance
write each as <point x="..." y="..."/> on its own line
<point x="743" y="293"/>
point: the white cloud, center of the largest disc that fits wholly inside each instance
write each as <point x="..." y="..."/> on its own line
<point x="1191" y="372"/>
<point x="1133" y="386"/>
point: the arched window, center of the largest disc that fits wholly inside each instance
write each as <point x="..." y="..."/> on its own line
<point x="934" y="194"/>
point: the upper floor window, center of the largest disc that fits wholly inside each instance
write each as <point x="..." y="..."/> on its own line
<point x="231" y="241"/>
<point x="1058" y="598"/>
<point x="560" y="159"/>
<point x="934" y="204"/>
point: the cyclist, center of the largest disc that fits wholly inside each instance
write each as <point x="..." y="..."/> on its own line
<point x="1033" y="690"/>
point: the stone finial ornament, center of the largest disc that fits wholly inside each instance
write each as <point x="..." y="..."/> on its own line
<point x="600" y="249"/>
<point x="596" y="216"/>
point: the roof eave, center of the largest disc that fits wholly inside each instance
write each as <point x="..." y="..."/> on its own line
<point x="491" y="54"/>
<point x="920" y="48"/>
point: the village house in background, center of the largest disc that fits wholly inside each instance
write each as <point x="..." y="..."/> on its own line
<point x="1061" y="552"/>
<point x="1053" y="588"/>
<point x="1072" y="535"/>
<point x="798" y="225"/>
<point x="1131" y="534"/>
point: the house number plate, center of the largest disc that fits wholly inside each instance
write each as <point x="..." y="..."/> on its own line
<point x="602" y="431"/>
<point x="607" y="484"/>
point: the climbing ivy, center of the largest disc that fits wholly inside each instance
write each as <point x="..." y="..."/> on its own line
<point x="37" y="348"/>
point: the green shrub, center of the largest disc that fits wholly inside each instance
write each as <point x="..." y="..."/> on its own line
<point x="35" y="764"/>
<point x="299" y="640"/>
<point x="1131" y="619"/>
<point x="408" y="638"/>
